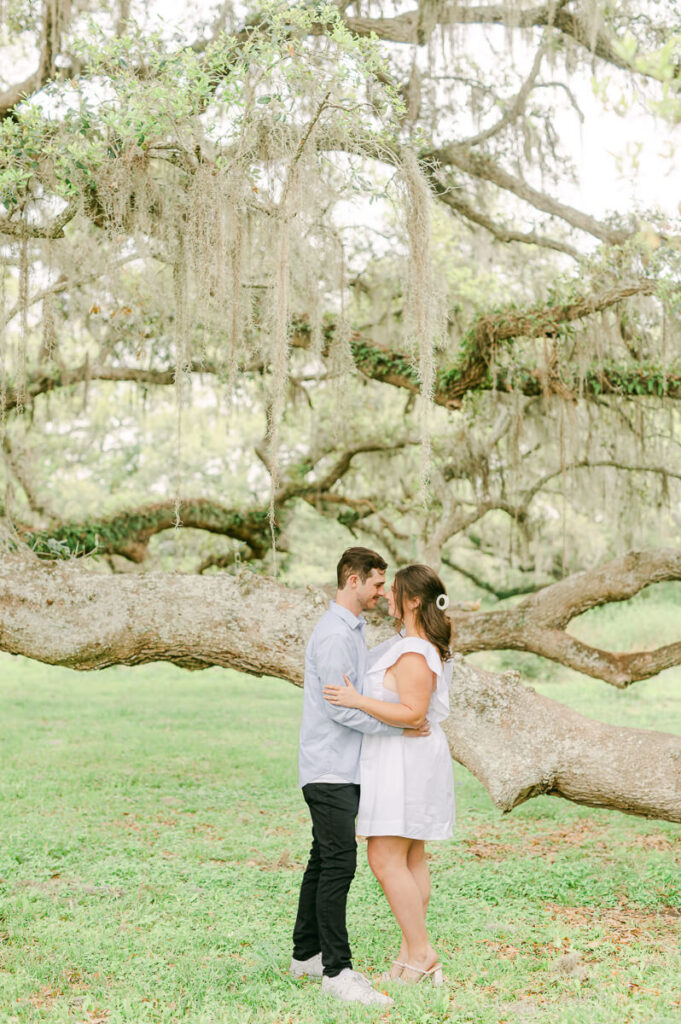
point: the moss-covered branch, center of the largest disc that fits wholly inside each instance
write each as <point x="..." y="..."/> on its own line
<point x="128" y="532"/>
<point x="52" y="378"/>
<point x="473" y="370"/>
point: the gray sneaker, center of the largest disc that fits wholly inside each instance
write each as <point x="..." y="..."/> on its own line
<point x="353" y="987"/>
<point x="312" y="967"/>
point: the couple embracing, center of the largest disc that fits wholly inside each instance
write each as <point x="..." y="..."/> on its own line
<point x="371" y="747"/>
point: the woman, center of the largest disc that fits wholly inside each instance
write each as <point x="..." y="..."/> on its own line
<point x="407" y="788"/>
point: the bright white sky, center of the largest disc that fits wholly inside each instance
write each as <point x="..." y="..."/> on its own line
<point x="606" y="139"/>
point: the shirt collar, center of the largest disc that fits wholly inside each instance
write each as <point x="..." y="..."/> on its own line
<point x="354" y="621"/>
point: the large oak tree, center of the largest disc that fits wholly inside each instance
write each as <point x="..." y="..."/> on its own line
<point x="341" y="232"/>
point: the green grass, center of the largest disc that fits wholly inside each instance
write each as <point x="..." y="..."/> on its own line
<point x="153" y="840"/>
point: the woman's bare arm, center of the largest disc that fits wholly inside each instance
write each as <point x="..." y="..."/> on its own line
<point x="414" y="686"/>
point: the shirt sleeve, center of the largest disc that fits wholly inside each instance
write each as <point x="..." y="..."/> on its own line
<point x="336" y="658"/>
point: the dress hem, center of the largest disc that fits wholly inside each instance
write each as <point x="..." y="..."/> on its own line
<point x="397" y="829"/>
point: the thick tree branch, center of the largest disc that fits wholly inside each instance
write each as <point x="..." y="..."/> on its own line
<point x="410" y="28"/>
<point x="42" y="381"/>
<point x="627" y="382"/>
<point x="128" y="533"/>
<point x="521" y="745"/>
<point x="54" y="17"/>
<point x="16" y="466"/>
<point x="26" y="229"/>
<point x="13" y="95"/>
<point x="538" y="624"/>
<point x="471" y="372"/>
<point x="518" y="743"/>
<point x="413" y="27"/>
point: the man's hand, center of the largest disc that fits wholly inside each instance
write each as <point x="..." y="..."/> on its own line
<point x="423" y="730"/>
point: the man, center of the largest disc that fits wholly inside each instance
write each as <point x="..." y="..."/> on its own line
<point x="330" y="742"/>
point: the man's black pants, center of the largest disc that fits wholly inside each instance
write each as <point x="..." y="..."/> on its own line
<point x="320" y="924"/>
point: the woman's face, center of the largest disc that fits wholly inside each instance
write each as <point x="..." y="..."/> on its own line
<point x="390" y="594"/>
<point x="407" y="603"/>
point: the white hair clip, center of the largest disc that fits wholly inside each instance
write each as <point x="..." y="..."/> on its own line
<point x="442" y="601"/>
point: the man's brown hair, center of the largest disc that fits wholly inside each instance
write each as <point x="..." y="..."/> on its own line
<point x="360" y="561"/>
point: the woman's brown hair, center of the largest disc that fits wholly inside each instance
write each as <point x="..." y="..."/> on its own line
<point x="420" y="581"/>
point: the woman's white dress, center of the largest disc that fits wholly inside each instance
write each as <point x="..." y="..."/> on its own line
<point x="407" y="784"/>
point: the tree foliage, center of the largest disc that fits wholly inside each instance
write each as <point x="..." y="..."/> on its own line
<point x="332" y="241"/>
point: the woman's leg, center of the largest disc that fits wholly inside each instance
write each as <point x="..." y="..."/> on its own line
<point x="388" y="860"/>
<point x="418" y="865"/>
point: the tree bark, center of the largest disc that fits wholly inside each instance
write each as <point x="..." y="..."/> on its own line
<point x="517" y="743"/>
<point x="481" y="166"/>
<point x="520" y="745"/>
<point x="538" y="624"/>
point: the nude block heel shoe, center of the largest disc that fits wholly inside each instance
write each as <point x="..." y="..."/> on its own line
<point x="434" y="974"/>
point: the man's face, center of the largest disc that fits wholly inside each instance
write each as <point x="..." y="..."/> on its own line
<point x="369" y="592"/>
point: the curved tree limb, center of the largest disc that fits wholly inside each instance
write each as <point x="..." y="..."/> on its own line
<point x="518" y="743"/>
<point x="479" y="165"/>
<point x="14" y="94"/>
<point x="16" y="466"/>
<point x="408" y="27"/>
<point x="538" y="624"/>
<point x="452" y="197"/>
<point x="26" y="229"/>
<point x="516" y="107"/>
<point x="470" y="372"/>
<point x="663" y="471"/>
<point x="606" y="379"/>
<point x="452" y="382"/>
<point x="53" y="24"/>
<point x="41" y="382"/>
<point x="128" y="532"/>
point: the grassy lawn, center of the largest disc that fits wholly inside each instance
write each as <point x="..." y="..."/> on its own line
<point x="153" y="841"/>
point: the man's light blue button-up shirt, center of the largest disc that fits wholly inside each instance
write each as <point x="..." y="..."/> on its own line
<point x="331" y="736"/>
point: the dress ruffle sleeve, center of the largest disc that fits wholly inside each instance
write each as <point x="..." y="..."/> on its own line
<point x="386" y="654"/>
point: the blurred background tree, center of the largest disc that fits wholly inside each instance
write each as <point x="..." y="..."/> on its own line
<point x="300" y="276"/>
